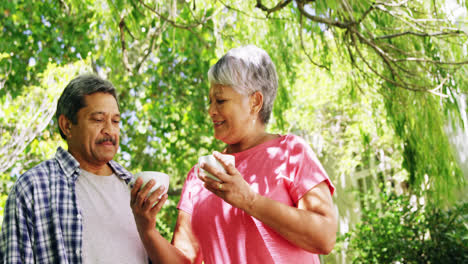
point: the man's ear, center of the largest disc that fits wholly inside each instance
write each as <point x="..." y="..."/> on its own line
<point x="65" y="125"/>
<point x="256" y="102"/>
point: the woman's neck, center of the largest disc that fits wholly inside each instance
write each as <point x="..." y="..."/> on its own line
<point x="250" y="142"/>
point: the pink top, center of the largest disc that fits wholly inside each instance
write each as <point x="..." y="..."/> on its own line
<point x="283" y="169"/>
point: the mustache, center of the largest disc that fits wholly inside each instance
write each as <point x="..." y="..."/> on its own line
<point x="111" y="139"/>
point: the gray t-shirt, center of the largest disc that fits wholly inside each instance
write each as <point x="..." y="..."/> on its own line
<point x="109" y="231"/>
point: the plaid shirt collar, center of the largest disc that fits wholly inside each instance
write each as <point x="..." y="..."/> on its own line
<point x="70" y="165"/>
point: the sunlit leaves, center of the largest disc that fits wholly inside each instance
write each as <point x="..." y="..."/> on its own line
<point x="38" y="33"/>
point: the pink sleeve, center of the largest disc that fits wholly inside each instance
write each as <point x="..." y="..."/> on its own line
<point x="185" y="203"/>
<point x="305" y="170"/>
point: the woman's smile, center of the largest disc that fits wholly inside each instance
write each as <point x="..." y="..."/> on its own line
<point x="218" y="123"/>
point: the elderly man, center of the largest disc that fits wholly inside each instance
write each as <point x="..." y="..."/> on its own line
<point x="74" y="208"/>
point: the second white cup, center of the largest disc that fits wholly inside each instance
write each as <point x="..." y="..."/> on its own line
<point x="212" y="161"/>
<point x="161" y="179"/>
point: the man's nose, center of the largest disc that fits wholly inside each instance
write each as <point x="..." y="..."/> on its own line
<point x="110" y="128"/>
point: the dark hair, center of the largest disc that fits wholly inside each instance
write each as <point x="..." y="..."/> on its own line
<point x="73" y="97"/>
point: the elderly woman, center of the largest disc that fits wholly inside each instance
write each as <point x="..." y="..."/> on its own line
<point x="273" y="206"/>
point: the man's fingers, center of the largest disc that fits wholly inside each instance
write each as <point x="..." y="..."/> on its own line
<point x="159" y="205"/>
<point x="141" y="197"/>
<point x="135" y="189"/>
<point x="153" y="198"/>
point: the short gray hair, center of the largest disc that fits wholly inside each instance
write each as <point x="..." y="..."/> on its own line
<point x="73" y="96"/>
<point x="248" y="69"/>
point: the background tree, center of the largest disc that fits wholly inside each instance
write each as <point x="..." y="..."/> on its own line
<point x="372" y="85"/>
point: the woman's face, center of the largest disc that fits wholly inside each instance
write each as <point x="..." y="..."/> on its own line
<point x="231" y="114"/>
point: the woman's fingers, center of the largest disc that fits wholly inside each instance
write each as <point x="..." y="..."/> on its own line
<point x="229" y="167"/>
<point x="222" y="176"/>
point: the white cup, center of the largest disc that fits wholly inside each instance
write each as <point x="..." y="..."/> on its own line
<point x="212" y="161"/>
<point x="161" y="179"/>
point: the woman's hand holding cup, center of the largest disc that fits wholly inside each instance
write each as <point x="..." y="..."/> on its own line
<point x="227" y="182"/>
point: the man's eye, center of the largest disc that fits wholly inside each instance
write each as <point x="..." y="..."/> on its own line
<point x="98" y="120"/>
<point x="116" y="121"/>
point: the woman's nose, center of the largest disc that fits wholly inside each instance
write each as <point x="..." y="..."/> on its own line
<point x="212" y="110"/>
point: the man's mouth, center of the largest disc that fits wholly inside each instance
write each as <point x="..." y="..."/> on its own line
<point x="107" y="141"/>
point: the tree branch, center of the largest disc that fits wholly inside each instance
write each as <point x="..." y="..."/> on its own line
<point x="172" y="22"/>
<point x="402" y="70"/>
<point x="419" y="34"/>
<point x="439" y="87"/>
<point x="392" y="4"/>
<point x="304" y="50"/>
<point x="400" y="17"/>
<point x="122" y="42"/>
<point x="249" y="15"/>
<point x="151" y="47"/>
<point x="348" y="9"/>
<point x="93" y="65"/>
<point x="182" y="26"/>
<point x="322" y="20"/>
<point x="128" y="30"/>
<point x="432" y="61"/>
<point x="3" y="81"/>
<point x="365" y="14"/>
<point x="278" y="6"/>
<point x="353" y="63"/>
<point x="405" y="85"/>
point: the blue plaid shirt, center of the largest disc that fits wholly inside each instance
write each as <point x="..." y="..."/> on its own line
<point x="42" y="221"/>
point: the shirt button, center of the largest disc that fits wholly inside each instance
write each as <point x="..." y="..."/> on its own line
<point x="78" y="252"/>
<point x="79" y="216"/>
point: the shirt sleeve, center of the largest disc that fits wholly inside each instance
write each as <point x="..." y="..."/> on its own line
<point x="15" y="237"/>
<point x="185" y="203"/>
<point x="305" y="169"/>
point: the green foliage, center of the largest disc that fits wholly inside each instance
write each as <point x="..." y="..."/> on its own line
<point x="335" y="89"/>
<point x="404" y="229"/>
<point x="36" y="33"/>
<point x="425" y="142"/>
<point x="157" y="54"/>
<point x="167" y="218"/>
<point x="28" y="135"/>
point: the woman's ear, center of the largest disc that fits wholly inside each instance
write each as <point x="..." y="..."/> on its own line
<point x="256" y="102"/>
<point x="65" y="125"/>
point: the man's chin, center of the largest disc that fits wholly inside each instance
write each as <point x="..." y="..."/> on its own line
<point x="106" y="157"/>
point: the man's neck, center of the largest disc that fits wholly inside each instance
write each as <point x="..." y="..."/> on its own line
<point x="98" y="168"/>
<point x="104" y="170"/>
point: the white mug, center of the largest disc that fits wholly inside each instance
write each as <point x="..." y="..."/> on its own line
<point x="212" y="161"/>
<point x="161" y="179"/>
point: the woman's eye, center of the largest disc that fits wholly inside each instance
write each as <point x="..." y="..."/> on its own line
<point x="220" y="101"/>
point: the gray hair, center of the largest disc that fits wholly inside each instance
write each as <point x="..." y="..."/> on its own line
<point x="73" y="97"/>
<point x="248" y="69"/>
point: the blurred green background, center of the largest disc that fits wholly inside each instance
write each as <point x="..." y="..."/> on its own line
<point x="378" y="89"/>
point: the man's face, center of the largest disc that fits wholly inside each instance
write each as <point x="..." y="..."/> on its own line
<point x="94" y="140"/>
